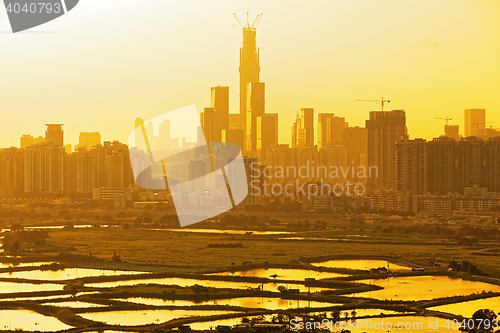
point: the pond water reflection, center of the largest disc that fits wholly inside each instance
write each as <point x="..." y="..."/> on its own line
<point x="206" y="283"/>
<point x="361" y="264"/>
<point x="144" y="317"/>
<point x="467" y="309"/>
<point x="29" y="321"/>
<point x="425" y="287"/>
<point x="249" y="302"/>
<point x="283" y="274"/>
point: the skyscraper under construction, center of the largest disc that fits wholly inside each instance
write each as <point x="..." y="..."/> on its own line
<point x="249" y="64"/>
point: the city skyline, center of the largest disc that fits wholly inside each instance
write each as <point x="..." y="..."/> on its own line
<point x="435" y="71"/>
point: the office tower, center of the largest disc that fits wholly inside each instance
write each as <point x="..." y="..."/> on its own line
<point x="249" y="67"/>
<point x="44" y="167"/>
<point x="385" y="128"/>
<point x="267" y="130"/>
<point x="303" y="129"/>
<point x="411" y="167"/>
<point x="307" y="124"/>
<point x="236" y="136"/>
<point x="28" y="140"/>
<point x="297" y="133"/>
<point x="255" y="108"/>
<point x="442" y="164"/>
<point x="475" y="122"/>
<point x="219" y="97"/>
<point x="208" y="120"/>
<point x="356" y="143"/>
<point x="54" y="134"/>
<point x="451" y="131"/>
<point x="88" y="140"/>
<point x="331" y="130"/>
<point x="11" y="171"/>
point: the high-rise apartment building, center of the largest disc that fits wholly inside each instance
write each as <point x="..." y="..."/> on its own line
<point x="88" y="140"/>
<point x="385" y="129"/>
<point x="475" y="122"/>
<point x="44" y="167"/>
<point x="11" y="171"/>
<point x="29" y="140"/>
<point x="54" y="134"/>
<point x="411" y="167"/>
<point x="452" y="131"/>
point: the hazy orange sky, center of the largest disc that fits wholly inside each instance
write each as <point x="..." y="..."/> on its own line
<point x="109" y="61"/>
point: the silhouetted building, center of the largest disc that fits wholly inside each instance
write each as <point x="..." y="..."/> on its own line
<point x="356" y="143"/>
<point x="475" y="122"/>
<point x="411" y="167"/>
<point x="452" y="131"/>
<point x="54" y="134"/>
<point x="219" y="97"/>
<point x="255" y="108"/>
<point x="331" y="130"/>
<point x="11" y="171"/>
<point x="208" y="120"/>
<point x="249" y="68"/>
<point x="88" y="140"/>
<point x="384" y="130"/>
<point x="44" y="167"/>
<point x="29" y="140"/>
<point x="267" y="130"/>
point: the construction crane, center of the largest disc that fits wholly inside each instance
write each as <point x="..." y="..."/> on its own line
<point x="254" y="24"/>
<point x="446" y="118"/>
<point x="490" y="122"/>
<point x="381" y="101"/>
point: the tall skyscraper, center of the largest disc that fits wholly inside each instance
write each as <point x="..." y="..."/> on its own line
<point x="255" y="108"/>
<point x="267" y="130"/>
<point x="249" y="67"/>
<point x="475" y="122"/>
<point x="385" y="128"/>
<point x="307" y="122"/>
<point x="331" y="130"/>
<point x="88" y="140"/>
<point x="303" y="129"/>
<point x="54" y="134"/>
<point x="208" y="120"/>
<point x="219" y="97"/>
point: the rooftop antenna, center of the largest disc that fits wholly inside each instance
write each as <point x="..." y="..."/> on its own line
<point x="254" y="24"/>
